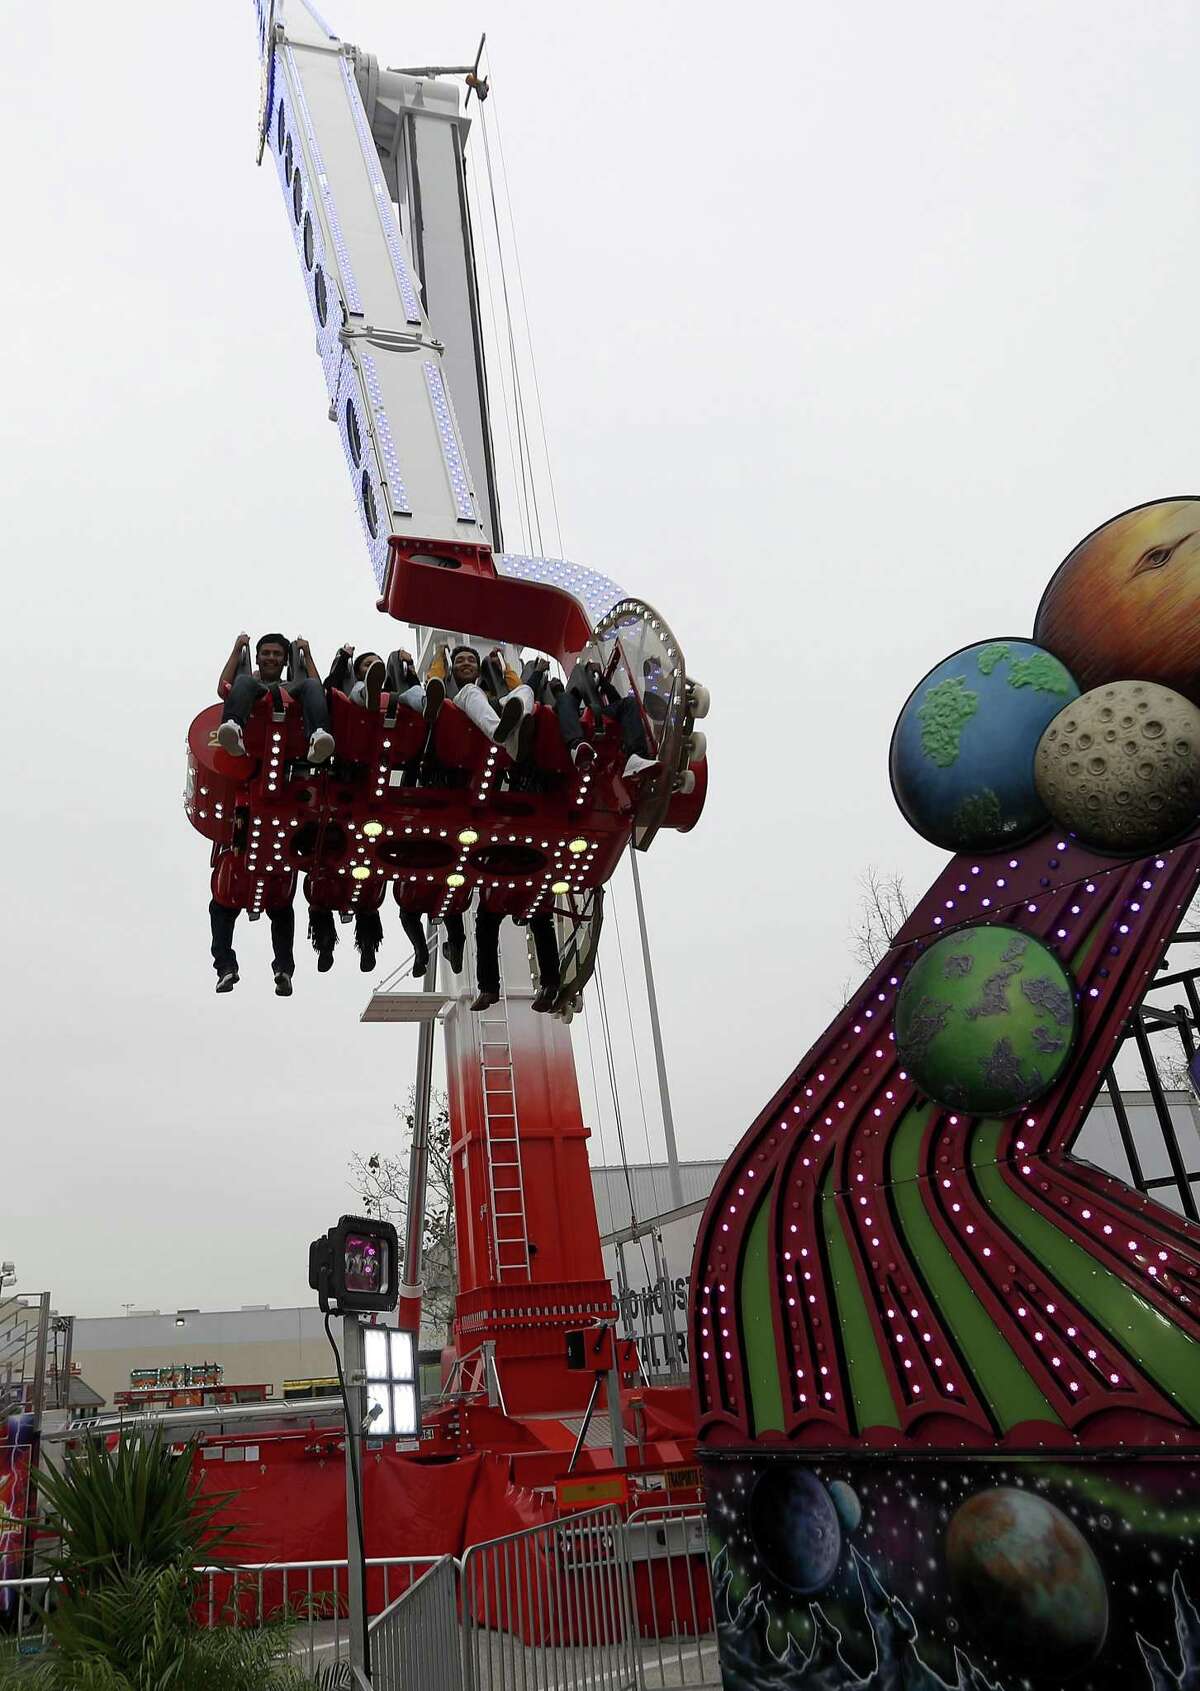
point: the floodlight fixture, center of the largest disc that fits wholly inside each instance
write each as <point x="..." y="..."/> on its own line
<point x="355" y="1266"/>
<point x="390" y="1371"/>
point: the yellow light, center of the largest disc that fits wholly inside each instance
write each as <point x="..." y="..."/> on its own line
<point x="577" y="846"/>
<point x="468" y="837"/>
<point x="360" y="872"/>
<point x="561" y="886"/>
<point x="456" y="880"/>
<point x="372" y="829"/>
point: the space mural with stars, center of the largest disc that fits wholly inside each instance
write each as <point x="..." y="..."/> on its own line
<point x="893" y="1574"/>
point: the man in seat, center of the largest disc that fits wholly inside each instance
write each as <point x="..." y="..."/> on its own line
<point x="223" y="919"/>
<point x="588" y="685"/>
<point x="490" y="693"/>
<point x="487" y="959"/>
<point x="242" y="692"/>
<point x="364" y="677"/>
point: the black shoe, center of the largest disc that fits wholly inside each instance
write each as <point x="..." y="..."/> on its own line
<point x="546" y="999"/>
<point x="324" y="962"/>
<point x="452" y="951"/>
<point x="509" y="717"/>
<point x="283" y="984"/>
<point x="486" y="1000"/>
<point x="228" y="981"/>
<point x="420" y="964"/>
<point x="366" y="961"/>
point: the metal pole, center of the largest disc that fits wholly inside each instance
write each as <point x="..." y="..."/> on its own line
<point x="412" y="1285"/>
<point x="612" y="1387"/>
<point x="38" y="1404"/>
<point x="356" y="1567"/>
<point x="660" y="1062"/>
<point x="64" y="1399"/>
<point x="1166" y="1125"/>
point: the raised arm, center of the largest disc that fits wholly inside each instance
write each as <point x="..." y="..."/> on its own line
<point x="232" y="663"/>
<point x="310" y="663"/>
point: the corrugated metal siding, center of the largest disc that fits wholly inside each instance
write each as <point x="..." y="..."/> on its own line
<point x="651" y="1183"/>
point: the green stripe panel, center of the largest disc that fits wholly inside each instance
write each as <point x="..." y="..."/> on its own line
<point x="874" y="1405"/>
<point x="758" y="1331"/>
<point x="1011" y="1393"/>
<point x="1165" y="1352"/>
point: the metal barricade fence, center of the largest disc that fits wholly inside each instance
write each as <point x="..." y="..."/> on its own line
<point x="588" y="1603"/>
<point x="667" y="1550"/>
<point x="415" y="1642"/>
<point x="551" y="1609"/>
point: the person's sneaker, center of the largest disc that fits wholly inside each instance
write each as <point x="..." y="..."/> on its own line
<point x="320" y="747"/>
<point x="283" y="984"/>
<point x="509" y="717"/>
<point x="373" y="682"/>
<point x="229" y="738"/>
<point x="639" y="766"/>
<point x="452" y="951"/>
<point x="546" y="999"/>
<point x="485" y="1000"/>
<point x="435" y="695"/>
<point x="366" y="961"/>
<point x="228" y="981"/>
<point x="324" y="962"/>
<point x="583" y="756"/>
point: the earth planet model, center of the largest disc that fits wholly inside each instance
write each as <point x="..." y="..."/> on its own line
<point x="986" y="1020"/>
<point x="962" y="749"/>
<point x="1120" y="766"/>
<point x="1027" y="1583"/>
<point x="845" y="1501"/>
<point x="1126" y="601"/>
<point x="795" y="1529"/>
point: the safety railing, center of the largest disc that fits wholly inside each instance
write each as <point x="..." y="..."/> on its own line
<point x="588" y="1603"/>
<point x="551" y="1609"/>
<point x="415" y="1641"/>
<point x="672" y="1584"/>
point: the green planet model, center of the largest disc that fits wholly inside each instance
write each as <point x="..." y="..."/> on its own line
<point x="986" y="1020"/>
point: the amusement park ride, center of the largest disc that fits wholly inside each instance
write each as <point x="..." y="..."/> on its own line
<point x="371" y="164"/>
<point x="946" y="1376"/>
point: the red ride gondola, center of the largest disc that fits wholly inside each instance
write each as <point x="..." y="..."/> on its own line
<point x="441" y="811"/>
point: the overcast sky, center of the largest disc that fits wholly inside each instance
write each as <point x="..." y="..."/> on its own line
<point x="850" y="319"/>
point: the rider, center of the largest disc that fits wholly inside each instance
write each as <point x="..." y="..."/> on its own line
<point x="223" y="919"/>
<point x="490" y="692"/>
<point x="242" y="692"/>
<point x="588" y="685"/>
<point x="362" y="678"/>
<point x="487" y="959"/>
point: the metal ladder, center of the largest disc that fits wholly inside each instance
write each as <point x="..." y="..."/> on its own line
<point x="505" y="1182"/>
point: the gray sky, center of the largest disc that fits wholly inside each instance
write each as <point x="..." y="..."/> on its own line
<point x="850" y="321"/>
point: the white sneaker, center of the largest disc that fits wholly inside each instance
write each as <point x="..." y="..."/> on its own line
<point x="639" y="766"/>
<point x="583" y="755"/>
<point x="320" y="747"/>
<point x="229" y="738"/>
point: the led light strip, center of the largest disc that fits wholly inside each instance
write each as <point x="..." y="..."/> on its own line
<point x="451" y="456"/>
<point x="596" y="593"/>
<point x="383" y="200"/>
<point x="391" y="463"/>
<point x="349" y="285"/>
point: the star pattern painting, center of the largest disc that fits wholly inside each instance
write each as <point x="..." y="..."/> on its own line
<point x="865" y="1573"/>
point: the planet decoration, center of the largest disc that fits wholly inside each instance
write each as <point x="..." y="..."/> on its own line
<point x="1120" y="766"/>
<point x="1126" y="601"/>
<point x="986" y="1020"/>
<point x="963" y="746"/>
<point x="845" y="1501"/>
<point x="795" y="1529"/>
<point x="1027" y="1583"/>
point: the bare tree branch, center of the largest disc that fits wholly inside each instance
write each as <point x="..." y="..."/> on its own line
<point x="883" y="909"/>
<point x="381" y="1181"/>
